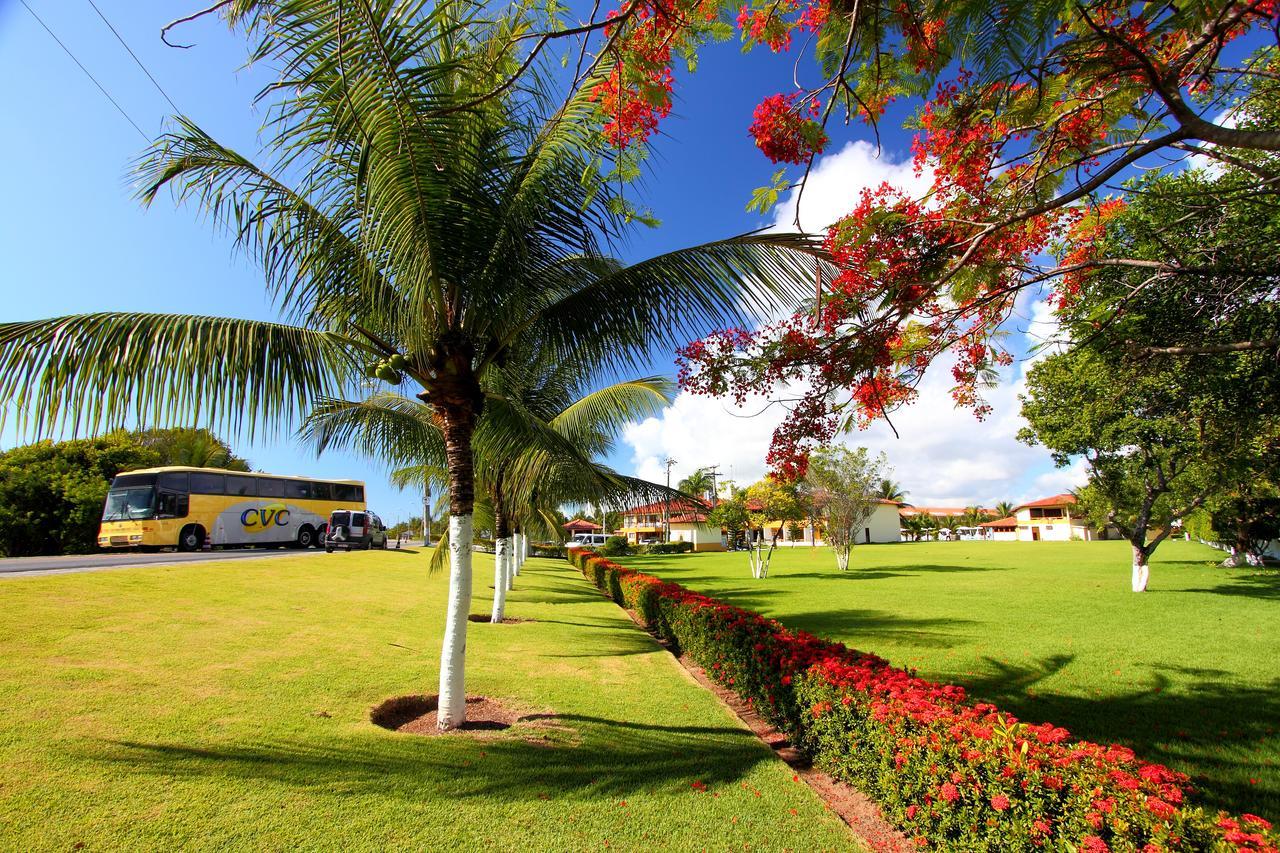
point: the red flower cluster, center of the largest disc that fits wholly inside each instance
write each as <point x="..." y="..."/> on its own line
<point x="785" y="131"/>
<point x="950" y="769"/>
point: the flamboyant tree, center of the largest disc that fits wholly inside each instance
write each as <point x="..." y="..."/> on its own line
<point x="1028" y="110"/>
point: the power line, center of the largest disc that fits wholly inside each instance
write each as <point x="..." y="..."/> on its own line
<point x="120" y="39"/>
<point x="101" y="89"/>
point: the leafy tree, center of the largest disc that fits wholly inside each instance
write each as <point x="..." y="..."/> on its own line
<point x="848" y="484"/>
<point x="1244" y="517"/>
<point x="730" y="513"/>
<point x="1172" y="409"/>
<point x="975" y="515"/>
<point x="51" y="494"/>
<point x="1004" y="509"/>
<point x="1152" y="449"/>
<point x="414" y="219"/>
<point x="921" y="525"/>
<point x="767" y="501"/>
<point x="199" y="448"/>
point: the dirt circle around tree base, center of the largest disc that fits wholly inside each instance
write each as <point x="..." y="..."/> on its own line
<point x="488" y="620"/>
<point x="417" y="715"/>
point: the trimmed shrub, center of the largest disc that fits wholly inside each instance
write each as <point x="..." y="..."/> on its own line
<point x="615" y="546"/>
<point x="550" y="551"/>
<point x="949" y="773"/>
<point x="669" y="548"/>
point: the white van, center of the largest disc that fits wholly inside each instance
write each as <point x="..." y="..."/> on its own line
<point x="587" y="540"/>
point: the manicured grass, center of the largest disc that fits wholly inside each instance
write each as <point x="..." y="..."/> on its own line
<point x="226" y="705"/>
<point x="1187" y="674"/>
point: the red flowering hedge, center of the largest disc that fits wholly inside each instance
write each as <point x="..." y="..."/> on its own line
<point x="950" y="773"/>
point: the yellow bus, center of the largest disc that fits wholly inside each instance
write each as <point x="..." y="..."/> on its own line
<point x="183" y="508"/>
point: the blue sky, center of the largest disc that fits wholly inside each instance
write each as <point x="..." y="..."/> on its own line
<point x="75" y="240"/>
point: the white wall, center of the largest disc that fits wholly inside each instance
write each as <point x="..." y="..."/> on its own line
<point x="885" y="525"/>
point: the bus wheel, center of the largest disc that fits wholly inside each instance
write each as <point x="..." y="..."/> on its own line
<point x="191" y="538"/>
<point x="320" y="536"/>
<point x="306" y="537"/>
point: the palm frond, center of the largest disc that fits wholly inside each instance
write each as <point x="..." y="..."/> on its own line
<point x="98" y="371"/>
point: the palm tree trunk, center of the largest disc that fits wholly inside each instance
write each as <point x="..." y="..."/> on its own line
<point x="459" y="423"/>
<point x="502" y="557"/>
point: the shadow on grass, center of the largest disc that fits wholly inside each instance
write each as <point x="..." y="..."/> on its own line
<point x="1261" y="584"/>
<point x="1231" y="731"/>
<point x="610" y="758"/>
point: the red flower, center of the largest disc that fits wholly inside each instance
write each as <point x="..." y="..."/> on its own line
<point x="1254" y="820"/>
<point x="783" y="133"/>
<point x="949" y="792"/>
<point x="999" y="802"/>
<point x="1094" y="844"/>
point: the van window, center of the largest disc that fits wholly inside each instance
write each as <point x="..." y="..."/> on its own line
<point x="359" y="519"/>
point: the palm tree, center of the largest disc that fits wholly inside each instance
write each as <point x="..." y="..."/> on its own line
<point x="1004" y="509"/>
<point x="412" y="219"/>
<point x="534" y="444"/>
<point x="699" y="483"/>
<point x="889" y="490"/>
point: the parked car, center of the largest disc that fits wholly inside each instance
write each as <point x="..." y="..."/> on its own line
<point x="587" y="540"/>
<point x="350" y="529"/>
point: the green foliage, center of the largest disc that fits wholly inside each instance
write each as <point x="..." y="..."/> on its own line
<point x="616" y="546"/>
<point x="51" y="494"/>
<point x="665" y="548"/>
<point x="731" y="514"/>
<point x="199" y="448"/>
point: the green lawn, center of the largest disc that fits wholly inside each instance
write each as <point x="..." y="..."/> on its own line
<point x="226" y="705"/>
<point x="1187" y="674"/>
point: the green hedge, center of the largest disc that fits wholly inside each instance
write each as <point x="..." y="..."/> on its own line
<point x="949" y="773"/>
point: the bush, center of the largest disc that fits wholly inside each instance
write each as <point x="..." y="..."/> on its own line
<point x="616" y="546"/>
<point x="549" y="550"/>
<point x="949" y="773"/>
<point x="667" y="548"/>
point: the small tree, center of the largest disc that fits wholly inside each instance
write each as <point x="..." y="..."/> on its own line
<point x="769" y="500"/>
<point x="730" y="514"/>
<point x="848" y="482"/>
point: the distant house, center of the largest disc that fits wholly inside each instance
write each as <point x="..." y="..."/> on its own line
<point x="688" y="521"/>
<point x="1001" y="530"/>
<point x="580" y="525"/>
<point x="1052" y="519"/>
<point x="940" y="514"/>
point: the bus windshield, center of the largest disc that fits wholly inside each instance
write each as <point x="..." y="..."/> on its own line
<point x="130" y="504"/>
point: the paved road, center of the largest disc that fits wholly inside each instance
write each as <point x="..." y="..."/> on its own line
<point x="36" y="566"/>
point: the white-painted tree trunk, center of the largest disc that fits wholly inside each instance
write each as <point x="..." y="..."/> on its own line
<point x="501" y="568"/>
<point x="1141" y="571"/>
<point x="452" y="711"/>
<point x="842" y="557"/>
<point x="517" y="559"/>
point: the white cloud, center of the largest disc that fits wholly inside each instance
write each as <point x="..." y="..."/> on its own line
<point x="837" y="180"/>
<point x="1226" y="118"/>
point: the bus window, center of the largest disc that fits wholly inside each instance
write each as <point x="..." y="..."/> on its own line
<point x="174" y="481"/>
<point x="347" y="493"/>
<point x="299" y="490"/>
<point x="207" y="484"/>
<point x="269" y="487"/>
<point x="322" y="491"/>
<point x="359" y="493"/>
<point x="246" y="486"/>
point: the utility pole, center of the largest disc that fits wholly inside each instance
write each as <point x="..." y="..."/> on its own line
<point x="666" y="504"/>
<point x="713" y="470"/>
